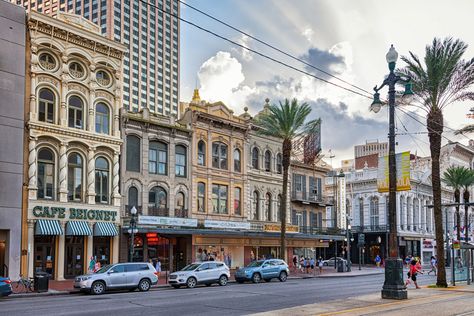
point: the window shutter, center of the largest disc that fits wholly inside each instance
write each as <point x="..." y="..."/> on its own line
<point x="319" y="188"/>
<point x="293" y="217"/>
<point x="305" y="220"/>
<point x="303" y="179"/>
<point x="312" y="187"/>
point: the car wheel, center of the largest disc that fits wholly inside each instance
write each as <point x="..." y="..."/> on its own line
<point x="176" y="286"/>
<point x="191" y="282"/>
<point x="144" y="285"/>
<point x="256" y="278"/>
<point x="283" y="276"/>
<point x="98" y="288"/>
<point x="223" y="280"/>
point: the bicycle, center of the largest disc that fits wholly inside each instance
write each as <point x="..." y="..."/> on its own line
<point x="23" y="285"/>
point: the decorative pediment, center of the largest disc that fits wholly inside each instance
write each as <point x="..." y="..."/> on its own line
<point x="219" y="109"/>
<point x="78" y="21"/>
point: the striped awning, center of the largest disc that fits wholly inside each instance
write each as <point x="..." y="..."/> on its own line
<point x="48" y="227"/>
<point x="105" y="229"/>
<point x="78" y="228"/>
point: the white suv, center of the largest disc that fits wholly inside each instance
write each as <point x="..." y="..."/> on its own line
<point x="206" y="272"/>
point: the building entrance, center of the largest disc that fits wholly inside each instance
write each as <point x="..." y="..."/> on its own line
<point x="73" y="257"/>
<point x="44" y="254"/>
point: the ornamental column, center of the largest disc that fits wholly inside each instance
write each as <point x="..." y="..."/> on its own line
<point x="62" y="172"/>
<point x="61" y="248"/>
<point x="31" y="248"/>
<point x="89" y="248"/>
<point x="63" y="107"/>
<point x="115" y="180"/>
<point x="91" y="111"/>
<point x="33" y="109"/>
<point x="115" y="249"/>
<point x="91" y="176"/>
<point x="32" y="169"/>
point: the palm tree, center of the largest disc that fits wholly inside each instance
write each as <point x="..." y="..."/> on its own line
<point x="457" y="177"/>
<point x="443" y="79"/>
<point x="287" y="122"/>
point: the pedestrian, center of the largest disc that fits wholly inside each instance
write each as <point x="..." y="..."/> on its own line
<point x="407" y="261"/>
<point x="433" y="264"/>
<point x="414" y="270"/>
<point x="320" y="265"/>
<point x="92" y="265"/>
<point x="295" y="262"/>
<point x="377" y="261"/>
<point x="97" y="265"/>
<point x="302" y="263"/>
<point x="158" y="267"/>
<point x="303" y="268"/>
<point x="311" y="263"/>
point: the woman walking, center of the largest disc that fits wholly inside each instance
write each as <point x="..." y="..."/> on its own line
<point x="414" y="270"/>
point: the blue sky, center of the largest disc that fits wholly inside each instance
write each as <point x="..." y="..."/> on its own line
<point x="346" y="38"/>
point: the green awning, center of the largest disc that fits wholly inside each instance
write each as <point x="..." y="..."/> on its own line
<point x="48" y="227"/>
<point x="105" y="229"/>
<point x="78" y="228"/>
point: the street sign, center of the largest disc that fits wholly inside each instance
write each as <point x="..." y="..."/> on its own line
<point x="456" y="245"/>
<point x="361" y="240"/>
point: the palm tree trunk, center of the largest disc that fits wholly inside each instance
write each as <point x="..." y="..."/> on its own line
<point x="466" y="213"/>
<point x="457" y="199"/>
<point x="435" y="129"/>
<point x="286" y="166"/>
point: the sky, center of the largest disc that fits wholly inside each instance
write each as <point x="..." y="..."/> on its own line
<point x="346" y="38"/>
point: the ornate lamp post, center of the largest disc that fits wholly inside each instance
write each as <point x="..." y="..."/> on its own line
<point x="132" y="230"/>
<point x="394" y="287"/>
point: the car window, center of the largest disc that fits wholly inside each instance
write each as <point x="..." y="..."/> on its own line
<point x="219" y="265"/>
<point x="204" y="266"/>
<point x="103" y="269"/>
<point x="191" y="267"/>
<point x="255" y="264"/>
<point x="212" y="265"/>
<point x="118" y="268"/>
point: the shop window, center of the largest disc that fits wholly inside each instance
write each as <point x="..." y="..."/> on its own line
<point x="268" y="207"/>
<point x="102" y="118"/>
<point x="268" y="161"/>
<point x="45" y="174"/>
<point x="237" y="160"/>
<point x="75" y="175"/>
<point x="255" y="206"/>
<point x="157" y="198"/>
<point x="237" y="201"/>
<point x="180" y="161"/>
<point x="75" y="112"/>
<point x="201" y="195"/>
<point x="374" y="211"/>
<point x="279" y="164"/>
<point x="219" y="155"/>
<point x="219" y="199"/>
<point x="101" y="180"/>
<point x="201" y="159"/>
<point x="46" y="106"/>
<point x="133" y="153"/>
<point x="158" y="158"/>
<point x="255" y="154"/>
<point x="179" y="201"/>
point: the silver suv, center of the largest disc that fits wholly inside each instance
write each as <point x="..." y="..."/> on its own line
<point x="131" y="276"/>
<point x="207" y="272"/>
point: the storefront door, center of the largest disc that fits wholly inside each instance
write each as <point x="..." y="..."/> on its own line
<point x="102" y="250"/>
<point x="44" y="254"/>
<point x="73" y="257"/>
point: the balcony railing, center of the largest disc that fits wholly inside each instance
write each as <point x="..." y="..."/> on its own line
<point x="312" y="230"/>
<point x="309" y="197"/>
<point x="158" y="211"/>
<point x="179" y="212"/>
<point x="129" y="207"/>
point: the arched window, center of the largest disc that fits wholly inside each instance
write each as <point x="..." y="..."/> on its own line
<point x="201" y="153"/>
<point x="157" y="198"/>
<point x="133" y="153"/>
<point x="46" y="106"/>
<point x="75" y="112"/>
<point x="132" y="197"/>
<point x="268" y="161"/>
<point x="201" y="197"/>
<point x="237" y="201"/>
<point x="45" y="174"/>
<point x="219" y="155"/>
<point x="158" y="158"/>
<point x="278" y="211"/>
<point x="279" y="164"/>
<point x="255" y="206"/>
<point x="219" y="198"/>
<point x="101" y="118"/>
<point x="101" y="180"/>
<point x="237" y="160"/>
<point x="374" y="211"/>
<point x="268" y="207"/>
<point x="255" y="154"/>
<point x="179" y="201"/>
<point x="74" y="177"/>
<point x="180" y="161"/>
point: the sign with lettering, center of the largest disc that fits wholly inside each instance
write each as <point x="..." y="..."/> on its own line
<point x="226" y="224"/>
<point x="277" y="228"/>
<point x="167" y="221"/>
<point x="73" y="213"/>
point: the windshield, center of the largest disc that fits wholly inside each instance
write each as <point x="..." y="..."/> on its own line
<point x="255" y="264"/>
<point x="191" y="267"/>
<point x="103" y="269"/>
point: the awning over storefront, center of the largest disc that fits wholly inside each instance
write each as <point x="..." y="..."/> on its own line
<point x="78" y="228"/>
<point x="48" y="227"/>
<point x="105" y="229"/>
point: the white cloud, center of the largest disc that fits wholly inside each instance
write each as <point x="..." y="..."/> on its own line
<point x="308" y="34"/>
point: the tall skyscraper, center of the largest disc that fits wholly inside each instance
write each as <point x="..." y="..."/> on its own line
<point x="151" y="67"/>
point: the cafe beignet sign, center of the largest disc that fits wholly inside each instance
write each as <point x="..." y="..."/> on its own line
<point x="74" y="213"/>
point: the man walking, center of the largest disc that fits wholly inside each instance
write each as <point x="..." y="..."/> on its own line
<point x="433" y="263"/>
<point x="377" y="261"/>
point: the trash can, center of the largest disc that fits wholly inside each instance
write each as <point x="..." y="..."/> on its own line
<point x="41" y="282"/>
<point x="340" y="266"/>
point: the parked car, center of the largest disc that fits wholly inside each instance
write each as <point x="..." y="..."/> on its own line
<point x="207" y="272"/>
<point x="330" y="261"/>
<point x="133" y="275"/>
<point x="263" y="270"/>
<point x="5" y="286"/>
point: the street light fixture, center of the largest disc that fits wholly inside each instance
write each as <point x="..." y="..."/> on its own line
<point x="132" y="230"/>
<point x="394" y="287"/>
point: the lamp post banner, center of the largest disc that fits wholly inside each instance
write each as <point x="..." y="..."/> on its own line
<point x="403" y="173"/>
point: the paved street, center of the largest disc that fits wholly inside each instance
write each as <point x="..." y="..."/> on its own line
<point x="234" y="299"/>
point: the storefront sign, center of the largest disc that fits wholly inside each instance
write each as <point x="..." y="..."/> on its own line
<point x="226" y="224"/>
<point x="167" y="221"/>
<point x="74" y="213"/>
<point x="427" y="243"/>
<point x="277" y="228"/>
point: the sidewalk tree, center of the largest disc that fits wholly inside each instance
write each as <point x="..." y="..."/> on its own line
<point x="468" y="182"/>
<point x="287" y="121"/>
<point x="444" y="78"/>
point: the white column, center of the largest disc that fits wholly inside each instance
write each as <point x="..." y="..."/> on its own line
<point x="60" y="254"/>
<point x="63" y="104"/>
<point x="91" y="110"/>
<point x="115" y="250"/>
<point x="90" y="242"/>
<point x="115" y="180"/>
<point x="62" y="172"/>
<point x="32" y="168"/>
<point x="31" y="247"/>
<point x="91" y="176"/>
<point x="115" y="116"/>
<point x="33" y="109"/>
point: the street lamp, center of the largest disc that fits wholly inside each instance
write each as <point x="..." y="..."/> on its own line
<point x="132" y="230"/>
<point x="349" y="239"/>
<point x="394" y="287"/>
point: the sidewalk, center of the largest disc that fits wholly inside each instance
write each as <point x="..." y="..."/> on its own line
<point x="457" y="300"/>
<point x="330" y="272"/>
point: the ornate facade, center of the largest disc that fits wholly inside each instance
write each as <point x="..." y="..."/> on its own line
<point x="73" y="145"/>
